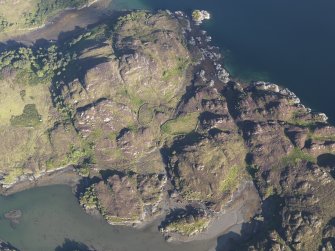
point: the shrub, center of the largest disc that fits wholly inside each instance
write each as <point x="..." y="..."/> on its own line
<point x="29" y="118"/>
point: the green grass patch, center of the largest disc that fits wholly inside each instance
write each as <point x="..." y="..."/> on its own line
<point x="96" y="134"/>
<point x="296" y="120"/>
<point x="181" y="125"/>
<point x="82" y="153"/>
<point x="145" y="114"/>
<point x="194" y="195"/>
<point x="12" y="176"/>
<point x="29" y="118"/>
<point x="4" y="24"/>
<point x="188" y="228"/>
<point x="323" y="138"/>
<point x="76" y="154"/>
<point x="131" y="17"/>
<point x="132" y="99"/>
<point x="270" y="190"/>
<point x="95" y="34"/>
<point x="178" y="70"/>
<point x="36" y="65"/>
<point x="232" y="179"/>
<point x="83" y="171"/>
<point x="296" y="156"/>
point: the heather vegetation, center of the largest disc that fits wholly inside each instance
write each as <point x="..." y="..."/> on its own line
<point x="152" y="124"/>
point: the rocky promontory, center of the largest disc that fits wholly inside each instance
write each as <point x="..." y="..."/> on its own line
<point x="146" y="114"/>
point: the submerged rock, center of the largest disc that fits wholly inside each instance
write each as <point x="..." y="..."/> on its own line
<point x="14" y="216"/>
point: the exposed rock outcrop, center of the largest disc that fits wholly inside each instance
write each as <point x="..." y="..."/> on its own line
<point x="158" y="128"/>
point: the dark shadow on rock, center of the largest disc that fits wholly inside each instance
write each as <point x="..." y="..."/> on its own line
<point x="91" y="105"/>
<point x="228" y="242"/>
<point x="186" y="140"/>
<point x="78" y="68"/>
<point x="256" y="230"/>
<point x="174" y="214"/>
<point x="84" y="183"/>
<point x="330" y="238"/>
<point x="7" y="246"/>
<point x="122" y="133"/>
<point x="249" y="158"/>
<point x="214" y="131"/>
<point x="71" y="245"/>
<point x="177" y="146"/>
<point x="10" y="45"/>
<point x="105" y="174"/>
<point x="247" y="127"/>
<point x="208" y="116"/>
<point x="44" y="43"/>
<point x="189" y="93"/>
<point x="326" y="160"/>
<point x="232" y="96"/>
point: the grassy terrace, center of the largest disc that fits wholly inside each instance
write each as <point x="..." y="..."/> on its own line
<point x="181" y="125"/>
<point x="295" y="157"/>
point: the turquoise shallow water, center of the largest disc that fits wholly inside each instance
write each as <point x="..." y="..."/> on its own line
<point x="288" y="42"/>
<point x="52" y="214"/>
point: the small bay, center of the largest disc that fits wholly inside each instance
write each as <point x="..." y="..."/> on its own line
<point x="52" y="219"/>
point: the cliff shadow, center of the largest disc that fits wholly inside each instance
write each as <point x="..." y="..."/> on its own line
<point x="10" y="45"/>
<point x="70" y="245"/>
<point x="76" y="41"/>
<point x="84" y="183"/>
<point x="227" y="242"/>
<point x="327" y="161"/>
<point x="177" y="146"/>
<point x="255" y="231"/>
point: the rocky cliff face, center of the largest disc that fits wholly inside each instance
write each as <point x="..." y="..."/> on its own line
<point x="145" y="112"/>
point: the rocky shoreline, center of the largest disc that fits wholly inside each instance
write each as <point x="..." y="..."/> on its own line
<point x="205" y="154"/>
<point x="4" y="246"/>
<point x="62" y="176"/>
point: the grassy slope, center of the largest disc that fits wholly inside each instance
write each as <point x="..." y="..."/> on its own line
<point x="27" y="85"/>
